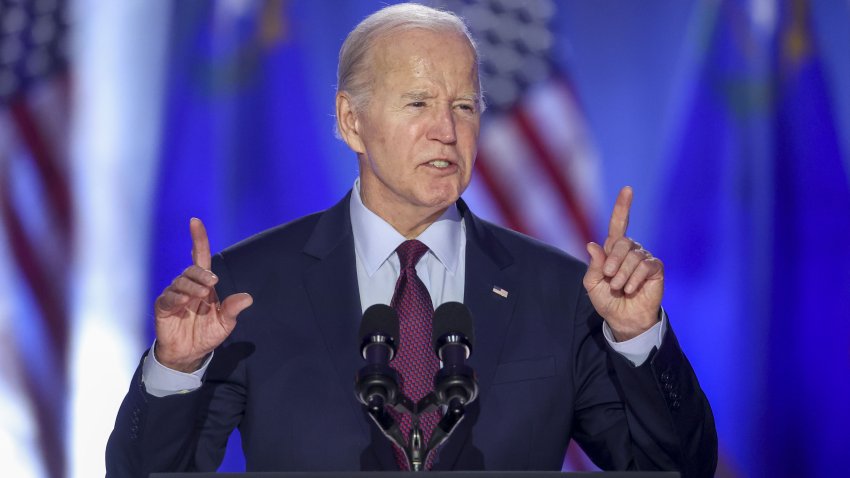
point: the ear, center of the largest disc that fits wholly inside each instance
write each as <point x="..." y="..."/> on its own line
<point x="347" y="123"/>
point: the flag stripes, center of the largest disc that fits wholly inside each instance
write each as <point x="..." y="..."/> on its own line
<point x="36" y="215"/>
<point x="539" y="169"/>
<point x="496" y="192"/>
<point x="553" y="172"/>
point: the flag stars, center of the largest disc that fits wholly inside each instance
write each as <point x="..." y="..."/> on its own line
<point x="32" y="44"/>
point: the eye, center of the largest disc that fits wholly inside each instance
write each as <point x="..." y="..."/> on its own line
<point x="468" y="107"/>
<point x="417" y="104"/>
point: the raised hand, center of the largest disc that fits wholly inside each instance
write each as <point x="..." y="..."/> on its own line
<point x="190" y="320"/>
<point x="624" y="281"/>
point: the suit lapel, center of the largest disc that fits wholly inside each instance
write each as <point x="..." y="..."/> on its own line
<point x="488" y="266"/>
<point x="331" y="284"/>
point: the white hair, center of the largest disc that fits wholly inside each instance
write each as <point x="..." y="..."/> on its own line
<point x="353" y="72"/>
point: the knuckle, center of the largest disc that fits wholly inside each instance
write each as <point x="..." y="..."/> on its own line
<point x="621" y="277"/>
<point x="657" y="264"/>
<point x="194" y="271"/>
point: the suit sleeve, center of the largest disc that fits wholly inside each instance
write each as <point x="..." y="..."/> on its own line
<point x="651" y="417"/>
<point x="186" y="431"/>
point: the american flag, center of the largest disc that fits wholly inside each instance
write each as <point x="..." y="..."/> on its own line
<point x="35" y="236"/>
<point x="537" y="169"/>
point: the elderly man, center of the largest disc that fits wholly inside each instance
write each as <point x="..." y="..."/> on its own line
<point x="563" y="350"/>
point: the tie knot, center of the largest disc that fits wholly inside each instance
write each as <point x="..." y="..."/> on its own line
<point x="409" y="253"/>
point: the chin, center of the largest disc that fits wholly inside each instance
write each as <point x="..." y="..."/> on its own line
<point x="441" y="198"/>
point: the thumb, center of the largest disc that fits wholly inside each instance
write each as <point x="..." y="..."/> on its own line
<point x="594" y="272"/>
<point x="234" y="305"/>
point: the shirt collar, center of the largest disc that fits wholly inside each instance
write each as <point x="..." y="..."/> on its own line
<point x="375" y="239"/>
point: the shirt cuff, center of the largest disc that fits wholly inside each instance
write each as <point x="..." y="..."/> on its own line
<point x="161" y="381"/>
<point x="637" y="349"/>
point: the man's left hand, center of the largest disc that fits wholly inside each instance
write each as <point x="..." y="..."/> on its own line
<point x="624" y="281"/>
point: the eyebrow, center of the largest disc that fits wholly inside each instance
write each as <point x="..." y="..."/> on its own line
<point x="470" y="97"/>
<point x="418" y="95"/>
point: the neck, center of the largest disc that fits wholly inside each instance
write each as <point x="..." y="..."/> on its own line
<point x="410" y="221"/>
<point x="411" y="229"/>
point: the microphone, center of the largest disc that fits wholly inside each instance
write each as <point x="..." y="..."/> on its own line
<point x="452" y="339"/>
<point x="376" y="384"/>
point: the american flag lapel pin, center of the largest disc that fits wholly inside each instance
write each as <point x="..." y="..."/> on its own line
<point x="500" y="292"/>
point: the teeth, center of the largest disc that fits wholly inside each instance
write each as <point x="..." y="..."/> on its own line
<point x="439" y="163"/>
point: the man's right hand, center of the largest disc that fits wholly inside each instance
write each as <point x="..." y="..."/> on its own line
<point x="190" y="320"/>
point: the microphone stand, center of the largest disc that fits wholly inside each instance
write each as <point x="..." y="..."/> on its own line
<point x="413" y="448"/>
<point x="455" y="384"/>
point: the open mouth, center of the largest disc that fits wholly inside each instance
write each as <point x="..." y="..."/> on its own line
<point x="440" y="163"/>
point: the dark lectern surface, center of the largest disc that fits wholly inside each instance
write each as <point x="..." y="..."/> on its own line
<point x="432" y="474"/>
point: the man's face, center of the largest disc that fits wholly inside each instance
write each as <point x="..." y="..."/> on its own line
<point x="420" y="127"/>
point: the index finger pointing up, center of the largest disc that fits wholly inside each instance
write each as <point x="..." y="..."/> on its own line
<point x="200" y="244"/>
<point x="620" y="216"/>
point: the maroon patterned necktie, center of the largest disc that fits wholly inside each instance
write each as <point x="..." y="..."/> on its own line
<point x="415" y="362"/>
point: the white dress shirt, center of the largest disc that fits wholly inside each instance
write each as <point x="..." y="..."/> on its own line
<point x="442" y="269"/>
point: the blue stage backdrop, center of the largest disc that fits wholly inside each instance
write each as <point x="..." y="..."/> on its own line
<point x="730" y="118"/>
<point x="755" y="188"/>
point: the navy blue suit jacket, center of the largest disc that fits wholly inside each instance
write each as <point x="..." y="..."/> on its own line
<point x="285" y="376"/>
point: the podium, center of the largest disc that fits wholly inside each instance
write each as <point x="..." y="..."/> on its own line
<point x="433" y="474"/>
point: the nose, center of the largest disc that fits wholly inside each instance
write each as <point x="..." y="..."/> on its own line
<point x="442" y="127"/>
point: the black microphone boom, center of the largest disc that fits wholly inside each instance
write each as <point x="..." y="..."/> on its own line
<point x="452" y="339"/>
<point x="455" y="385"/>
<point x="376" y="383"/>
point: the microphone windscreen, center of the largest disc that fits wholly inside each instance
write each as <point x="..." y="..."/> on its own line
<point x="452" y="317"/>
<point x="379" y="319"/>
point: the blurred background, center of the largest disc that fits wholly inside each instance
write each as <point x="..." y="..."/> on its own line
<point x="120" y="120"/>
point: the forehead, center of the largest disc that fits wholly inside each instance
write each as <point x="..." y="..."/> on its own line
<point x="444" y="58"/>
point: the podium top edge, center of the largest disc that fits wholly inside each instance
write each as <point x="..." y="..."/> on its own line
<point x="434" y="474"/>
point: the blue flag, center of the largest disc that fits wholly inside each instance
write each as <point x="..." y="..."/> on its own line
<point x="755" y="203"/>
<point x="808" y="376"/>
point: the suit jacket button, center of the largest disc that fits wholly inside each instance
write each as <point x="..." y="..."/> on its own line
<point x="674" y="395"/>
<point x="675" y="405"/>
<point x="665" y="377"/>
<point x="668" y="387"/>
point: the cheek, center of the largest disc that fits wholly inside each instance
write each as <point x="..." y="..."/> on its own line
<point x="468" y="126"/>
<point x="469" y="142"/>
<point x="376" y="144"/>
